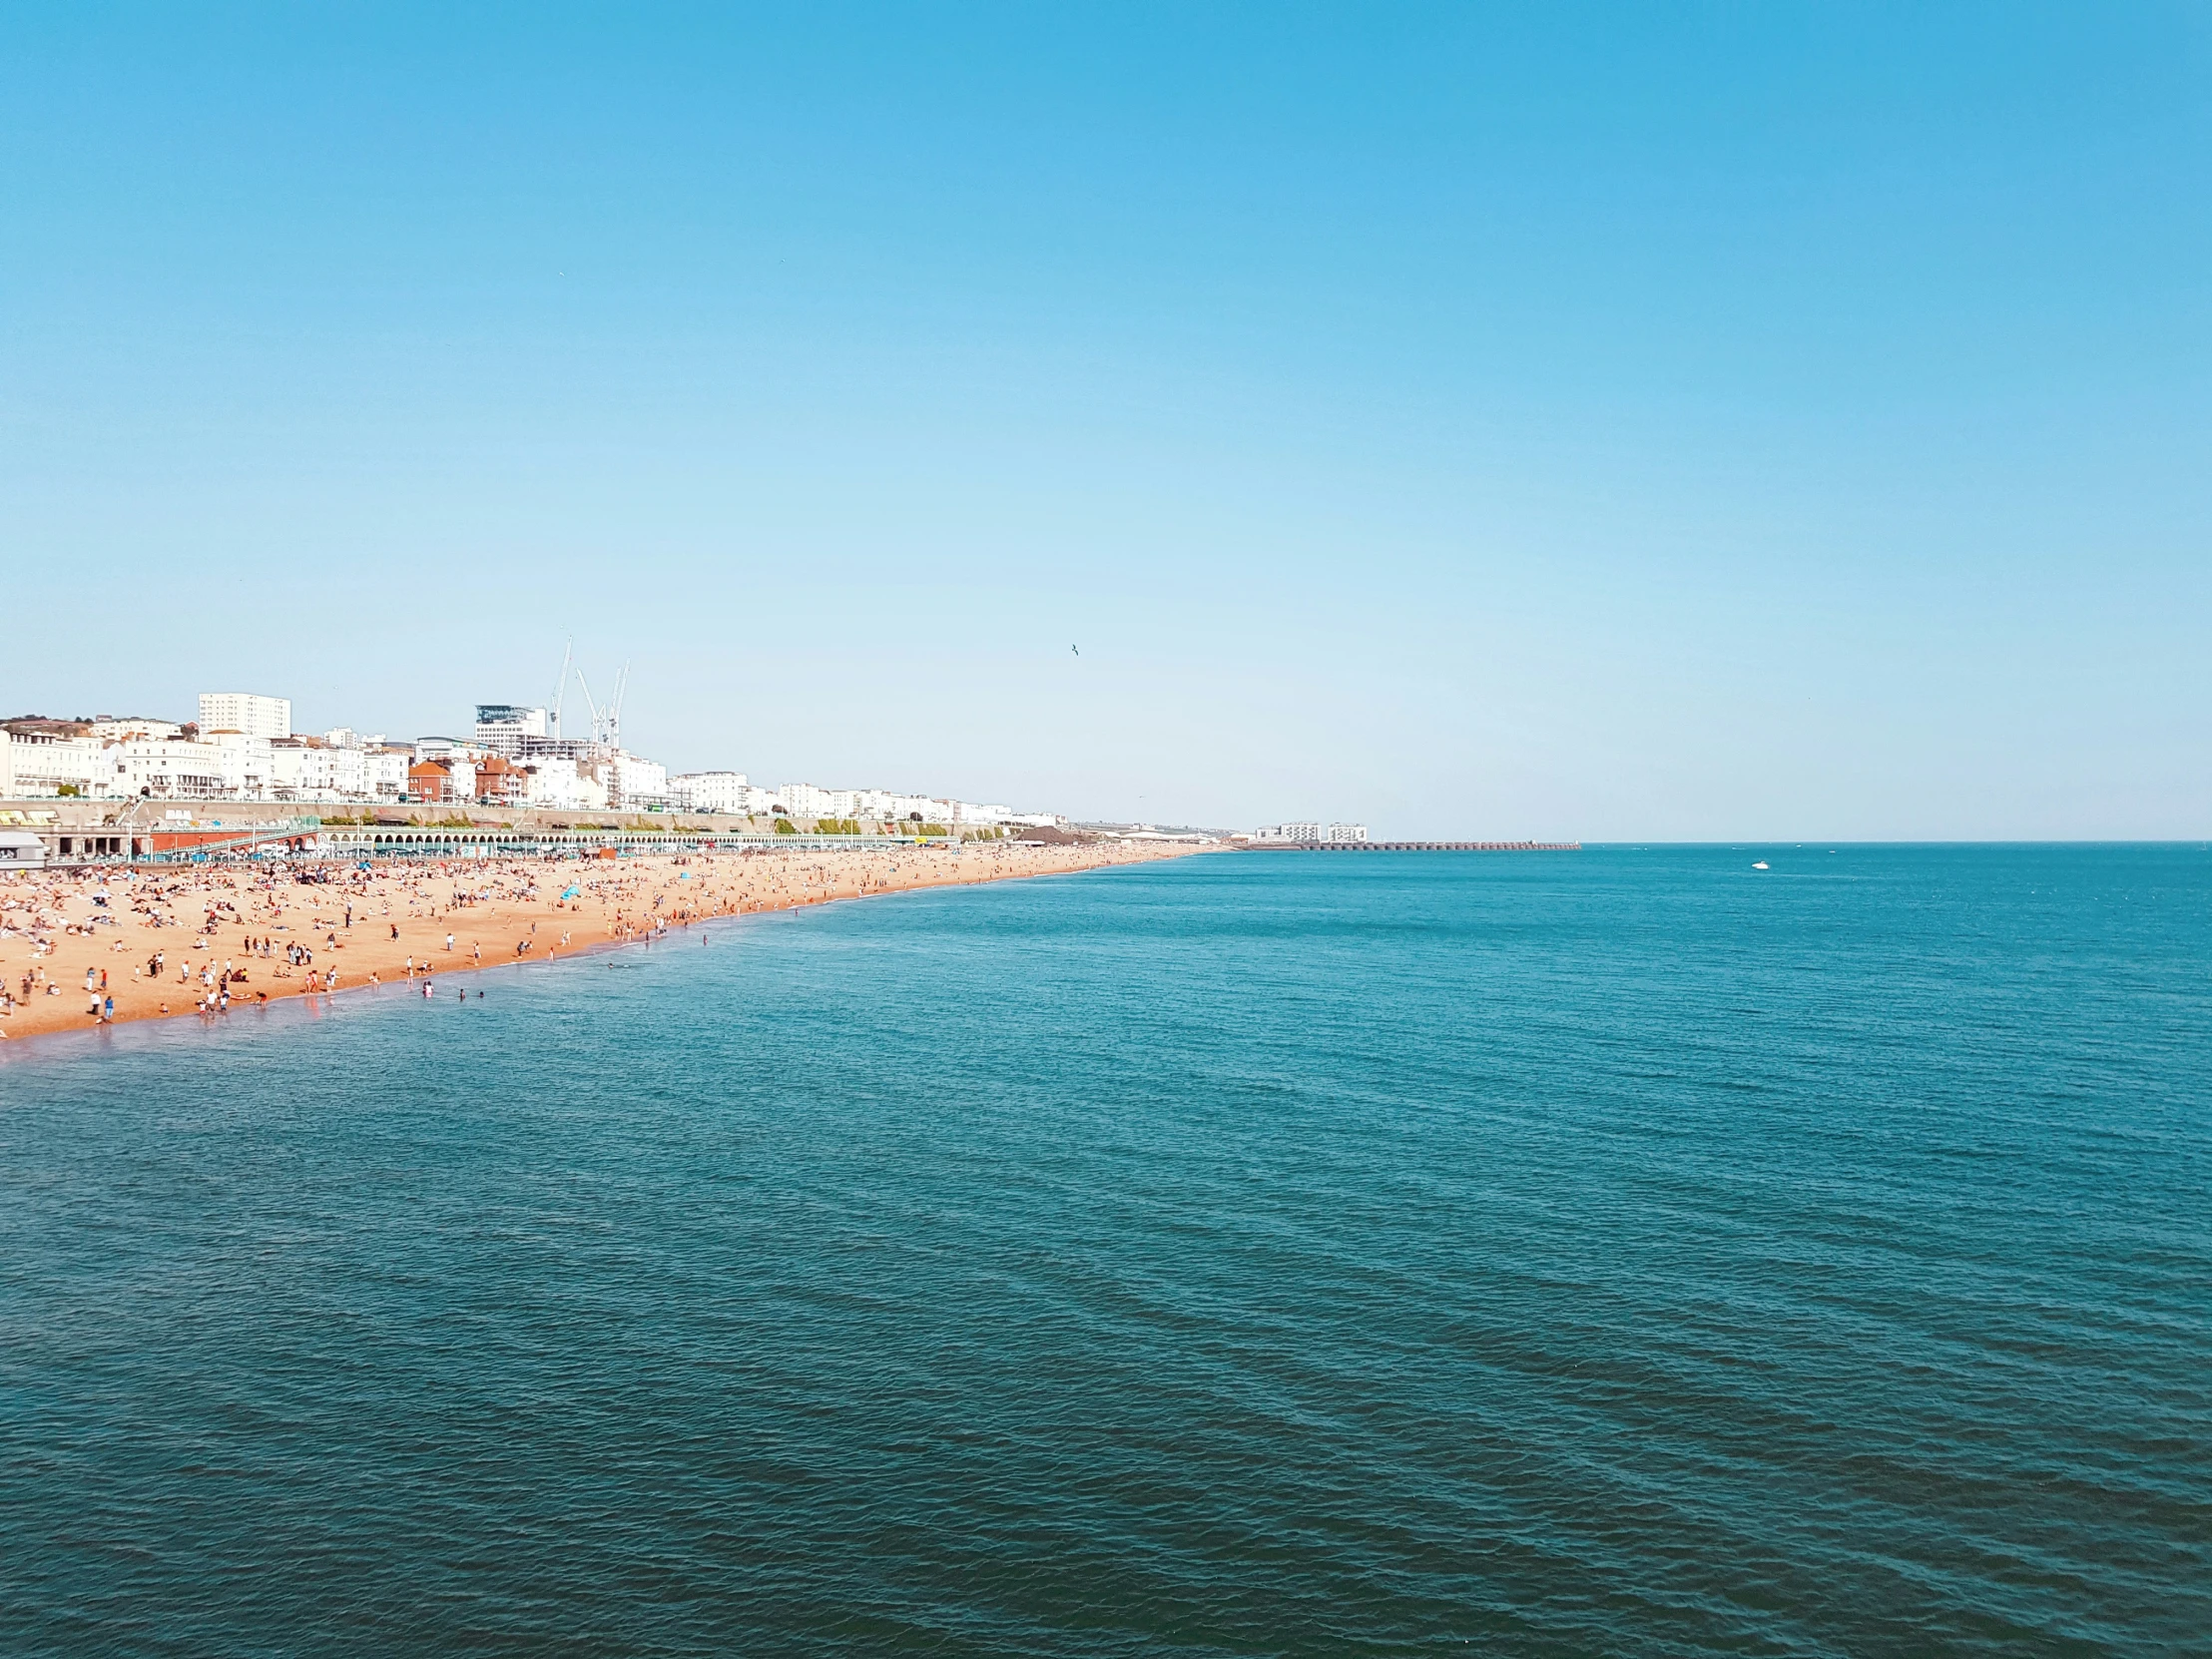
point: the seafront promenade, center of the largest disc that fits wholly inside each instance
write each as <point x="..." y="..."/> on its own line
<point x="72" y="831"/>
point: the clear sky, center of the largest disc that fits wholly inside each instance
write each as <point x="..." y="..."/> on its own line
<point x="1607" y="421"/>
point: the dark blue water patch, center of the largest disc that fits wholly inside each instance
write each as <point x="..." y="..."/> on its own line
<point x="1619" y="1251"/>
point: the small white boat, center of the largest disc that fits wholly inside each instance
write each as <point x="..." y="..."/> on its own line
<point x="1761" y="865"/>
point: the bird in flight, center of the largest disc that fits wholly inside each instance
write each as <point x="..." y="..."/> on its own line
<point x="1079" y="653"/>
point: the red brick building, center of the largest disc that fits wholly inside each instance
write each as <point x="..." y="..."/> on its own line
<point x="441" y="780"/>
<point x="501" y="782"/>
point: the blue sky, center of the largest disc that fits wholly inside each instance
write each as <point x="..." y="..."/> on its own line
<point x="1618" y="422"/>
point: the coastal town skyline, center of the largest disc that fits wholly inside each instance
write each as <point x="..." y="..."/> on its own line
<point x="245" y="746"/>
<point x="1820" y="462"/>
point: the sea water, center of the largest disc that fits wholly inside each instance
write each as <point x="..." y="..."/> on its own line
<point x="1616" y="1252"/>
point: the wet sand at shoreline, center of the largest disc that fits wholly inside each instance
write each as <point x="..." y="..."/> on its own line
<point x="158" y="941"/>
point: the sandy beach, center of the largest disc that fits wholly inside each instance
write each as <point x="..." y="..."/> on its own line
<point x="162" y="941"/>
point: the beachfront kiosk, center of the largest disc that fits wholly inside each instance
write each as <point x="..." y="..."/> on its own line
<point x="21" y="849"/>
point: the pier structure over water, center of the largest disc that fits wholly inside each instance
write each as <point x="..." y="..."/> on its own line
<point x="1410" y="847"/>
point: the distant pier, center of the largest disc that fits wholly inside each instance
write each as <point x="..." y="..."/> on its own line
<point x="1410" y="847"/>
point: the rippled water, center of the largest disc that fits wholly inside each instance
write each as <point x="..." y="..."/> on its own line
<point x="1617" y="1251"/>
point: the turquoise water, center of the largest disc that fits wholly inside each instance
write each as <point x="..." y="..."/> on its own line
<point x="1618" y="1251"/>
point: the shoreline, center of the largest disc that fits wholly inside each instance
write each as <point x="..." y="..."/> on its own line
<point x="397" y="924"/>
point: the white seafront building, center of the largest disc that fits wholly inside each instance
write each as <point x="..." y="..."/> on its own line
<point x="806" y="803"/>
<point x="227" y="765"/>
<point x="34" y="765"/>
<point x="307" y="769"/>
<point x="109" y="729"/>
<point x="639" y="785"/>
<point x="560" y="783"/>
<point x="711" y="792"/>
<point x="243" y="749"/>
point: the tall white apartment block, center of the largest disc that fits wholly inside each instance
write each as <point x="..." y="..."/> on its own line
<point x="1348" y="833"/>
<point x="247" y="713"/>
<point x="502" y="728"/>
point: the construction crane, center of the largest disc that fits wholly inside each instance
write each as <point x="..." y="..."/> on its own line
<point x="606" y="718"/>
<point x="614" y="711"/>
<point x="560" y="689"/>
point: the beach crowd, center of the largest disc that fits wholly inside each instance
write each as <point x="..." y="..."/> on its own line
<point x="86" y="947"/>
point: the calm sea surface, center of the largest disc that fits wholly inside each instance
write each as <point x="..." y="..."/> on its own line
<point x="1620" y="1251"/>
